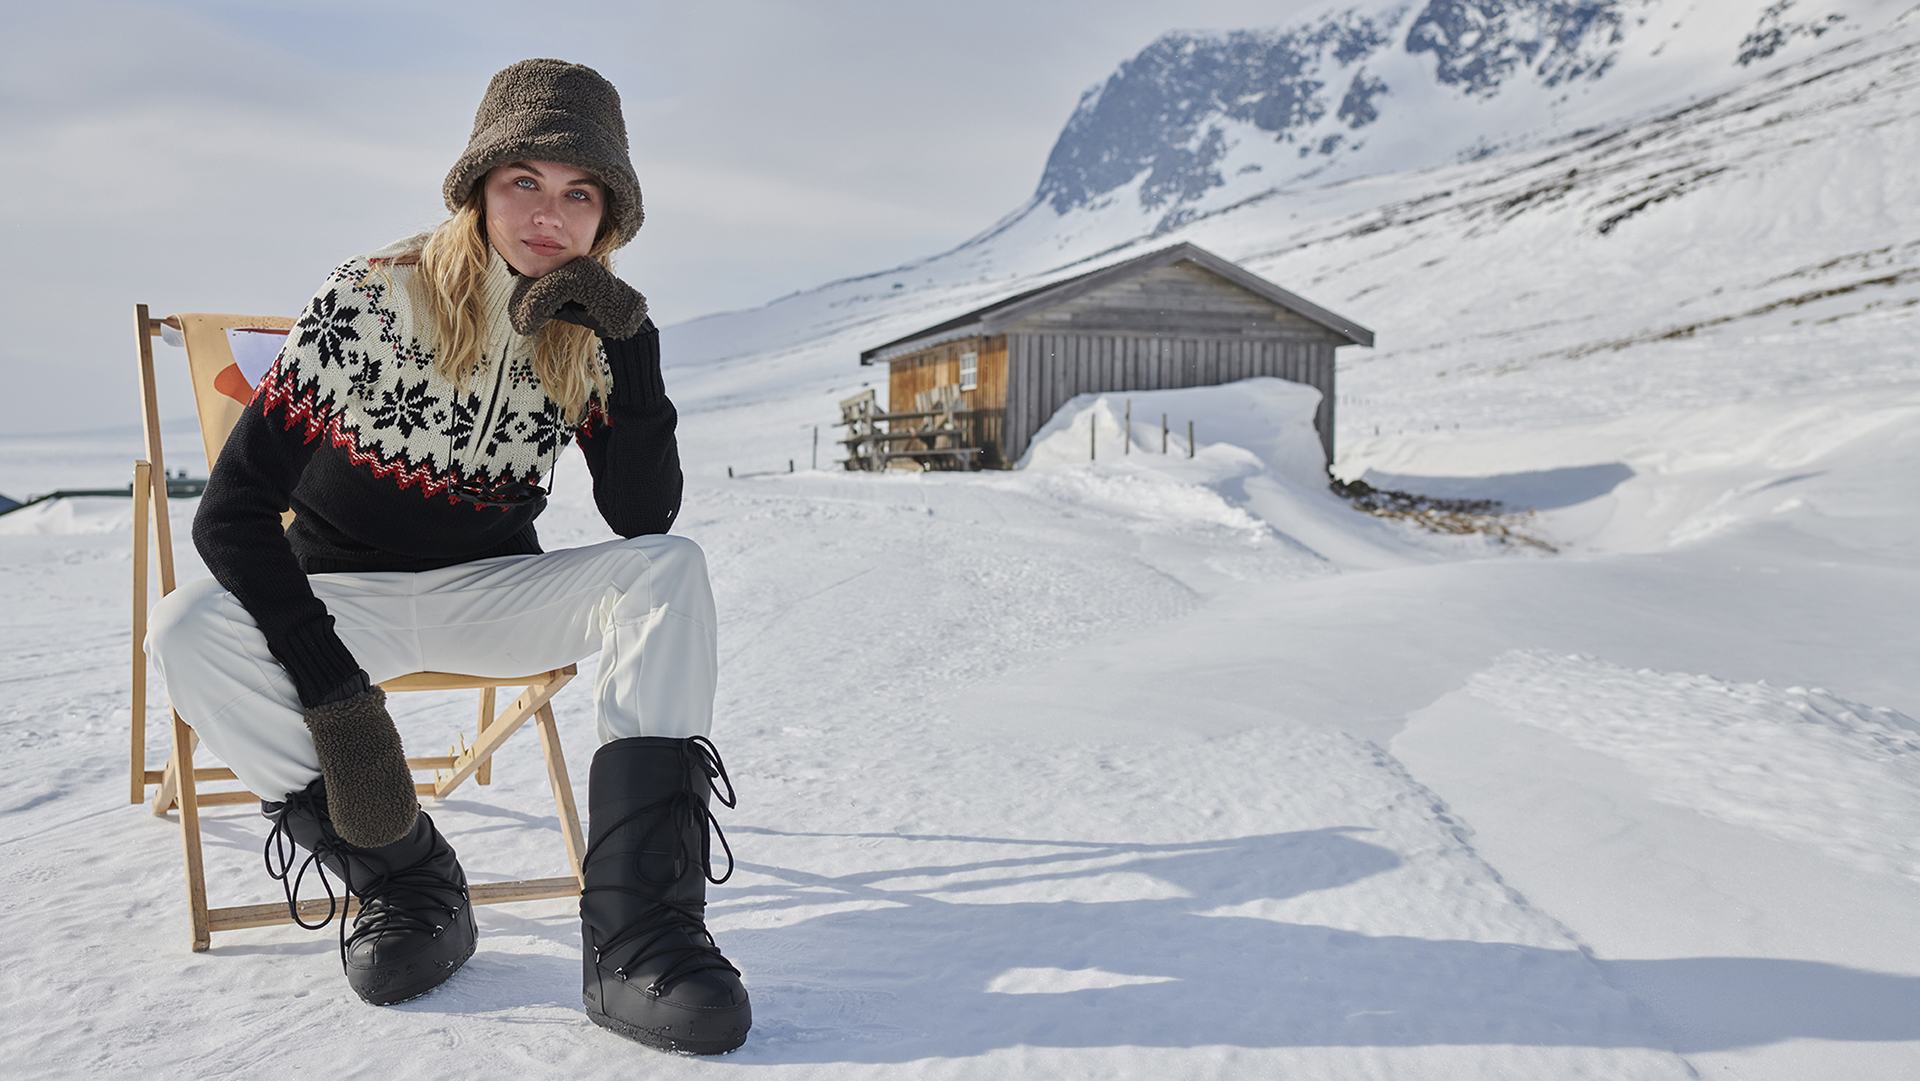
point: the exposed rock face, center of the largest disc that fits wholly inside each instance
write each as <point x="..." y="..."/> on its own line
<point x="1773" y="31"/>
<point x="1479" y="43"/>
<point x="1162" y="112"/>
<point x="1194" y="113"/>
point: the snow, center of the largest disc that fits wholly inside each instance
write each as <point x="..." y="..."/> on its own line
<point x="1802" y="765"/>
<point x="1158" y="765"/>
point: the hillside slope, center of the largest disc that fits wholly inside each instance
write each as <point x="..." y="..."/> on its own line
<point x="1645" y="254"/>
<point x="1201" y="121"/>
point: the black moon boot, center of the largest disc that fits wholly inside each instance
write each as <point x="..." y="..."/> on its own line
<point x="415" y="926"/>
<point x="651" y="972"/>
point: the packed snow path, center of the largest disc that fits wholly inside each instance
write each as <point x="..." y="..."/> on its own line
<point x="1093" y="770"/>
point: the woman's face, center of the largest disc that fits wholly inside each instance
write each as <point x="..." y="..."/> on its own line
<point x="541" y="215"/>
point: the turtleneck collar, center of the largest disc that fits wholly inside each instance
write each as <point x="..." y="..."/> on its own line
<point x="496" y="289"/>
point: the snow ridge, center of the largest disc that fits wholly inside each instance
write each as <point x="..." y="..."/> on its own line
<point x="1802" y="764"/>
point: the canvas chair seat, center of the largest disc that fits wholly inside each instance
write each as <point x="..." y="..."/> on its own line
<point x="226" y="357"/>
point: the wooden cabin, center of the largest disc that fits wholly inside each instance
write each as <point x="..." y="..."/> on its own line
<point x="976" y="387"/>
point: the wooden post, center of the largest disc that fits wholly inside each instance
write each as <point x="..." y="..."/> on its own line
<point x="149" y="328"/>
<point x="816" y="446"/>
<point x="137" y="751"/>
<point x="467" y="761"/>
<point x="563" y="794"/>
<point x="1189" y="439"/>
<point x="1093" y="435"/>
<point x="484" y="775"/>
<point x="1126" y="443"/>
<point x="190" y="835"/>
<point x="1163" y="433"/>
<point x="168" y="792"/>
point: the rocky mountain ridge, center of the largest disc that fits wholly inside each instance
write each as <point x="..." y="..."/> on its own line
<point x="1198" y="120"/>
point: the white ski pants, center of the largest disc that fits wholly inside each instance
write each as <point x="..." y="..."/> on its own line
<point x="645" y="604"/>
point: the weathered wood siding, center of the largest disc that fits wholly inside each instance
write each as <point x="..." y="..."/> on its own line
<point x="939" y="366"/>
<point x="1179" y="325"/>
<point x="1177" y="301"/>
<point x="1045" y="370"/>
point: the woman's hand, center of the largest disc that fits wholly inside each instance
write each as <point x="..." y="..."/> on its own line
<point x="581" y="292"/>
<point x="369" y="787"/>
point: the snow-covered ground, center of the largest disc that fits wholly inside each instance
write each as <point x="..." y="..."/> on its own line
<point x="1146" y="766"/>
<point x="1161" y="765"/>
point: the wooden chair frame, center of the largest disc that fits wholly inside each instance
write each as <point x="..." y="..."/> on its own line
<point x="178" y="785"/>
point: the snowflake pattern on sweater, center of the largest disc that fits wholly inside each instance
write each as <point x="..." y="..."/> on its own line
<point x="356" y="373"/>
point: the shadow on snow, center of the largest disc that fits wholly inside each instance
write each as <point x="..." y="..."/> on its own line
<point x="1547" y="489"/>
<point x="914" y="973"/>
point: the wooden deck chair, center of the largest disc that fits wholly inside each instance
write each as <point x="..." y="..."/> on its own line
<point x="226" y="356"/>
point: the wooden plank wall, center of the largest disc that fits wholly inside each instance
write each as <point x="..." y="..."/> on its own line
<point x="1173" y="326"/>
<point x="939" y="366"/>
<point x="992" y="375"/>
<point x="1177" y="301"/>
<point x="1044" y="371"/>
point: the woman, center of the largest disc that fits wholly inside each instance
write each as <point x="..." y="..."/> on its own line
<point x="408" y="422"/>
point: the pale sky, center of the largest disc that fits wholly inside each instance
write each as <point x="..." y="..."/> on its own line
<point x="208" y="156"/>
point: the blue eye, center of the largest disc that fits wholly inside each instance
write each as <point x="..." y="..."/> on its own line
<point x="581" y="196"/>
<point x="524" y="182"/>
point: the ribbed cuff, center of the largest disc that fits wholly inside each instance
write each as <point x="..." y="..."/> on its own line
<point x="635" y="363"/>
<point x="316" y="659"/>
<point x="356" y="685"/>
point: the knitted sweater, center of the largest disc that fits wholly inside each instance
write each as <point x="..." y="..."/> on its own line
<point x="354" y="431"/>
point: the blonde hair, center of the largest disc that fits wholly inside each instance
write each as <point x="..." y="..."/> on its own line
<point x="447" y="284"/>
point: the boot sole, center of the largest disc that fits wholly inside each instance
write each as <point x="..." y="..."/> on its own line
<point x="662" y="1042"/>
<point x="419" y="990"/>
<point x="430" y="978"/>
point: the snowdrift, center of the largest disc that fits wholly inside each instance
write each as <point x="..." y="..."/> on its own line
<point x="1270" y="420"/>
<point x="1835" y="466"/>
<point x="1255" y="458"/>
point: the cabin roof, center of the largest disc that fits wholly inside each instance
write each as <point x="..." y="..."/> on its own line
<point x="997" y="316"/>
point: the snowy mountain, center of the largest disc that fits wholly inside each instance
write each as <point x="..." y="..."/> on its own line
<point x="1636" y="220"/>
<point x="1201" y="121"/>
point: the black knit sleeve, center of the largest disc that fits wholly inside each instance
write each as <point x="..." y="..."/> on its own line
<point x="631" y="449"/>
<point x="238" y="533"/>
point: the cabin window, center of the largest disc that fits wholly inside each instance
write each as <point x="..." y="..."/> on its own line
<point x="969" y="371"/>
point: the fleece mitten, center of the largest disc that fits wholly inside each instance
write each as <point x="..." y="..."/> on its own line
<point x="370" y="791"/>
<point x="582" y="292"/>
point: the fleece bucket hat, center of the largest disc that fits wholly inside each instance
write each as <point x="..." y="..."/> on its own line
<point x="550" y="110"/>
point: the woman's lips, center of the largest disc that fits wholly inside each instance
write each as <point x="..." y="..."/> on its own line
<point x="544" y="247"/>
